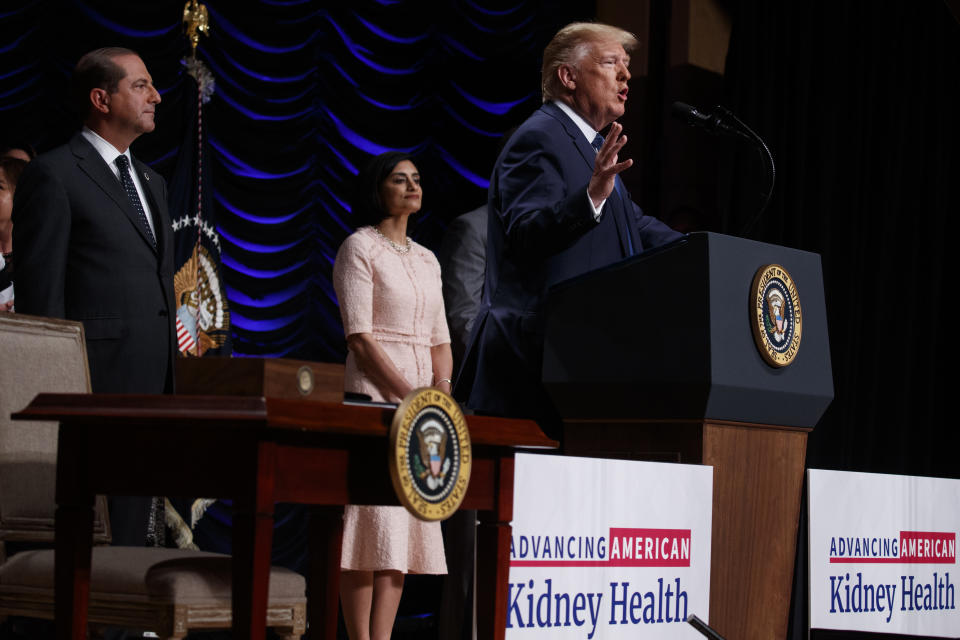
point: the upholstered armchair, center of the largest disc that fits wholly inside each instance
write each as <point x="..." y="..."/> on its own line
<point x="166" y="591"/>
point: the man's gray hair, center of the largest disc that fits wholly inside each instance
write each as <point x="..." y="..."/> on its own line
<point x="569" y="47"/>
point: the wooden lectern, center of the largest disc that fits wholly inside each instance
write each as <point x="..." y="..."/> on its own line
<point x="258" y="451"/>
<point x="654" y="358"/>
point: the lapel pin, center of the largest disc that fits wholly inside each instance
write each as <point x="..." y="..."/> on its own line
<point x="146" y="176"/>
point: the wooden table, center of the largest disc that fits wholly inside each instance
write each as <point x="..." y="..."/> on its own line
<point x="257" y="452"/>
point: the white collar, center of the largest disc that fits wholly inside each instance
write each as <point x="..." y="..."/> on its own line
<point x="589" y="132"/>
<point x="107" y="151"/>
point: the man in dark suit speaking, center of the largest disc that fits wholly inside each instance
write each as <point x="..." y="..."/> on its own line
<point x="557" y="210"/>
<point x="94" y="242"/>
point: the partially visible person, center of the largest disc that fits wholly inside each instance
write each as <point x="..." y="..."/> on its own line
<point x="462" y="256"/>
<point x="19" y="149"/>
<point x="391" y="303"/>
<point x="557" y="210"/>
<point x="10" y="170"/>
<point x="463" y="259"/>
<point x="94" y="243"/>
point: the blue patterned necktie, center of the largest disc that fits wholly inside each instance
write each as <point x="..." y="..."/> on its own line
<point x="597" y="143"/>
<point x="124" y="165"/>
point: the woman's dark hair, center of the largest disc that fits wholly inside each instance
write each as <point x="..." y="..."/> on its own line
<point x="366" y="206"/>
<point x="12" y="144"/>
<point x="12" y="168"/>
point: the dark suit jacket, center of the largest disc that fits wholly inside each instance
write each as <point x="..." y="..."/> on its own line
<point x="541" y="231"/>
<point x="462" y="256"/>
<point x="82" y="254"/>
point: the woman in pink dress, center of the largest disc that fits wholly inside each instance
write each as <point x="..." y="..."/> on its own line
<point x="392" y="308"/>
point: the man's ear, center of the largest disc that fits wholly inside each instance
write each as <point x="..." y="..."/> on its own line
<point x="100" y="100"/>
<point x="568" y="77"/>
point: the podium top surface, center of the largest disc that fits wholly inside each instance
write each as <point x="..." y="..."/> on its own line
<point x="669" y="334"/>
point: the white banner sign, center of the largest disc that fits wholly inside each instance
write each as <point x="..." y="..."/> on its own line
<point x="883" y="553"/>
<point x="608" y="549"/>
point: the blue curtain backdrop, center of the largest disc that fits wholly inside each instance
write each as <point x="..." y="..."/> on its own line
<point x="306" y="91"/>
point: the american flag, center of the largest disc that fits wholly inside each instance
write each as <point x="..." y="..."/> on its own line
<point x="185" y="341"/>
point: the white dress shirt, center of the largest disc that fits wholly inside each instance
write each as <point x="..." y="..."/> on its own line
<point x="109" y="153"/>
<point x="589" y="133"/>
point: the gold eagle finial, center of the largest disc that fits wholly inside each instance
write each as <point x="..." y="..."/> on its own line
<point x="198" y="21"/>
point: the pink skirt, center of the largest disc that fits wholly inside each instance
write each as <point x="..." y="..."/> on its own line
<point x="389" y="538"/>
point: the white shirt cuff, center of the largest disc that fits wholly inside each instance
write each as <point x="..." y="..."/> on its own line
<point x="597" y="211"/>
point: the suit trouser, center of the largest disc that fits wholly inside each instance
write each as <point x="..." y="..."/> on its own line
<point x="455" y="618"/>
<point x="129" y="517"/>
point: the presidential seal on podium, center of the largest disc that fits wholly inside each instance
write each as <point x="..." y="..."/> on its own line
<point x="430" y="454"/>
<point x="776" y="316"/>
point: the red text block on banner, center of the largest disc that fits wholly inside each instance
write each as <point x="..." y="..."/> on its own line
<point x="649" y="548"/>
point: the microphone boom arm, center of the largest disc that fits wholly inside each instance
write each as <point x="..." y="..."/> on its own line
<point x="718" y="122"/>
<point x="768" y="164"/>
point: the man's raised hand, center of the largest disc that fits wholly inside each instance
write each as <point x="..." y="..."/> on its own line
<point x="606" y="167"/>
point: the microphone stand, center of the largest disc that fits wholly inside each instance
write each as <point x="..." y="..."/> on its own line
<point x="770" y="169"/>
<point x="718" y="122"/>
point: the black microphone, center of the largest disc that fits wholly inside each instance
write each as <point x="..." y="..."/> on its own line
<point x="716" y="122"/>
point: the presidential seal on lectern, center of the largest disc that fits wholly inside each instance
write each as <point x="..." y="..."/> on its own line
<point x="430" y="455"/>
<point x="776" y="317"/>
